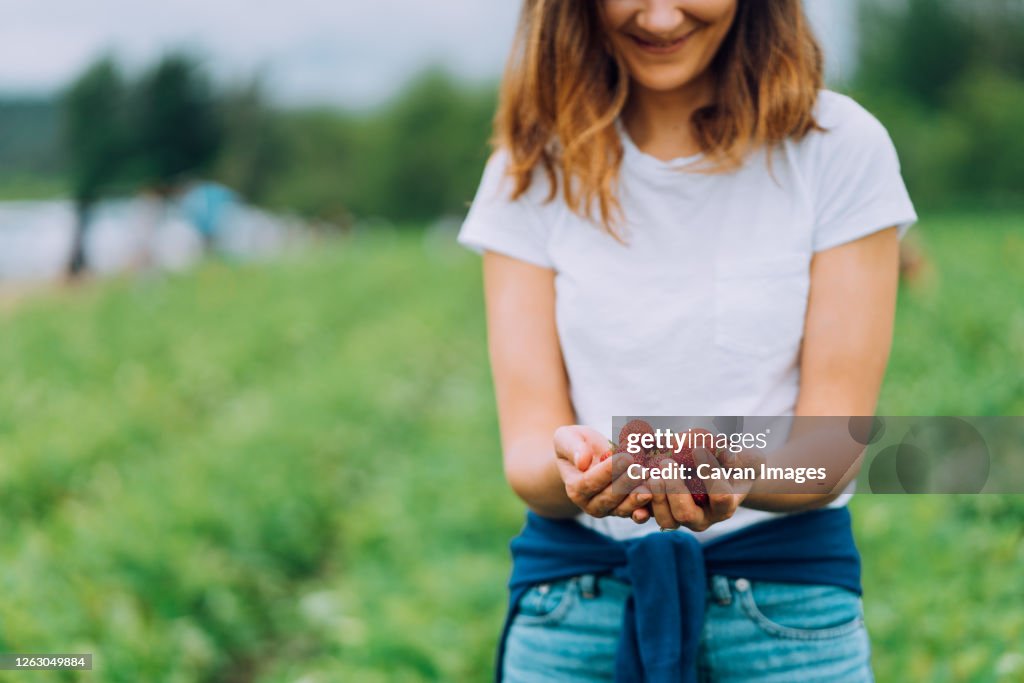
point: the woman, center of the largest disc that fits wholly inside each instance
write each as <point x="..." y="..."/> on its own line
<point x="678" y="220"/>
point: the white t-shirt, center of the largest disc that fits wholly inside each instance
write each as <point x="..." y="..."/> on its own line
<point x="702" y="311"/>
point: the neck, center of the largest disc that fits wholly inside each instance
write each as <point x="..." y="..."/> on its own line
<point x="658" y="122"/>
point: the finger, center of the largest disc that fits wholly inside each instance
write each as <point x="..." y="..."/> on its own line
<point x="571" y="445"/>
<point x="686" y="512"/>
<point x="680" y="502"/>
<point x="722" y="498"/>
<point x="572" y="477"/>
<point x="579" y="444"/>
<point x="722" y="506"/>
<point x="580" y="487"/>
<point x="604" y="504"/>
<point x="660" y="506"/>
<point x="643" y="515"/>
<point x="639" y="498"/>
<point x="722" y="501"/>
<point x="607" y="501"/>
<point x="596" y="479"/>
<point x="663" y="513"/>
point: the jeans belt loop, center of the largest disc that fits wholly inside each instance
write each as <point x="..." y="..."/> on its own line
<point x="588" y="586"/>
<point x="721" y="590"/>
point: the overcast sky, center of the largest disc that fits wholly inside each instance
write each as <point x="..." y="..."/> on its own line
<point x="349" y="52"/>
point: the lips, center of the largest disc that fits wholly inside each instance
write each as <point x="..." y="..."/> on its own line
<point x="661" y="47"/>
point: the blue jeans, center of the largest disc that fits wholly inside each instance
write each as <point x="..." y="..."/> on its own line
<point x="568" y="631"/>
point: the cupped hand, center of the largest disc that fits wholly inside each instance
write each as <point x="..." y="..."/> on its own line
<point x="598" y="487"/>
<point x="673" y="504"/>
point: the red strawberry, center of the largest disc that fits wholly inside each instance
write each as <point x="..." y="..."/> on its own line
<point x="699" y="493"/>
<point x="702" y="438"/>
<point x="685" y="459"/>
<point x="640" y="427"/>
<point x="655" y="458"/>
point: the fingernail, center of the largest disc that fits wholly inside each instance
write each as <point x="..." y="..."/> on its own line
<point x="644" y="498"/>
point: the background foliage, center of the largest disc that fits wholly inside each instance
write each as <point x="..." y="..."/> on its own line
<point x="945" y="76"/>
<point x="291" y="472"/>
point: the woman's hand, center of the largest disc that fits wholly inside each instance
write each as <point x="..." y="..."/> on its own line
<point x="673" y="505"/>
<point x="598" y="488"/>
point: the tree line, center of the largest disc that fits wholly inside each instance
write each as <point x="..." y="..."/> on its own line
<point x="417" y="158"/>
<point x="946" y="77"/>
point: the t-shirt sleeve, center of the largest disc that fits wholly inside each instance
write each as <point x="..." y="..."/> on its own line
<point x="858" y="189"/>
<point x="497" y="223"/>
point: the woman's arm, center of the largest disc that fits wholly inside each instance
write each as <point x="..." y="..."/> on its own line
<point x="847" y="339"/>
<point x="530" y="383"/>
<point x="548" y="462"/>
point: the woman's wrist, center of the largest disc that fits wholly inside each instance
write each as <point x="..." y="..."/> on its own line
<point x="536" y="480"/>
<point x="787" y="502"/>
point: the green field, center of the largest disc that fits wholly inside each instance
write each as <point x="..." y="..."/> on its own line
<point x="290" y="472"/>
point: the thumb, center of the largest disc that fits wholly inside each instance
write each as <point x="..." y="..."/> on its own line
<point x="576" y="444"/>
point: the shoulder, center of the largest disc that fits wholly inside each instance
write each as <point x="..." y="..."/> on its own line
<point x="837" y="109"/>
<point x="844" y="116"/>
<point x="844" y="123"/>
<point x="852" y="172"/>
<point x="849" y="137"/>
<point x="498" y="183"/>
<point x="500" y="221"/>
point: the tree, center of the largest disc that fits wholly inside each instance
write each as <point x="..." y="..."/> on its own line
<point x="428" y="147"/>
<point x="177" y="128"/>
<point x="946" y="77"/>
<point x="921" y="47"/>
<point x="94" y="137"/>
<point x="409" y="161"/>
<point x="254" y="149"/>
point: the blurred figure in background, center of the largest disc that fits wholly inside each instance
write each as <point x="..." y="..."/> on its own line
<point x="206" y="204"/>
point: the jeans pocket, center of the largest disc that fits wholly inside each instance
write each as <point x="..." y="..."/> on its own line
<point x="801" y="612"/>
<point x="548" y="603"/>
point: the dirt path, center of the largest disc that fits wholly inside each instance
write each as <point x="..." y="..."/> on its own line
<point x="14" y="294"/>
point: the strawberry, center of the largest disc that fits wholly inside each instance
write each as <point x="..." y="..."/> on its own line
<point x="655" y="458"/>
<point x="640" y="427"/>
<point x="685" y="458"/>
<point x="699" y="493"/>
<point x="651" y="457"/>
<point x="702" y="438"/>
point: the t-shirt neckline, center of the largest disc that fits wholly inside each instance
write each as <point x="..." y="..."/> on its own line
<point x="641" y="158"/>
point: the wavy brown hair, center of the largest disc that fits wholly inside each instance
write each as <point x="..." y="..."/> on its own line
<point x="563" y="92"/>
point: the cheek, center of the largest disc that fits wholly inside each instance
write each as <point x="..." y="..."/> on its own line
<point x="717" y="14"/>
<point x="711" y="10"/>
<point x="614" y="13"/>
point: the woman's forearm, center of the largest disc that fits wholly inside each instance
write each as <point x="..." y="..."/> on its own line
<point x="532" y="472"/>
<point x="788" y="502"/>
<point x="814" y="442"/>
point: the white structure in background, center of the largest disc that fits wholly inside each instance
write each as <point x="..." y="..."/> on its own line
<point x="835" y="23"/>
<point x="35" y="239"/>
<point x="35" y="236"/>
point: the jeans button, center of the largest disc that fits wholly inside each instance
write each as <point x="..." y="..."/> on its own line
<point x="742" y="585"/>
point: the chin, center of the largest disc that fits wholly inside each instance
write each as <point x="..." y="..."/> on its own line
<point x="664" y="81"/>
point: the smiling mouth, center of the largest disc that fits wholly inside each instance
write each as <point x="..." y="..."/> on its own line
<point x="661" y="46"/>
